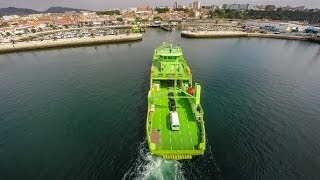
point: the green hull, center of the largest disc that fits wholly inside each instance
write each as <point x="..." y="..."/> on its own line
<point x="170" y="74"/>
<point x="136" y="29"/>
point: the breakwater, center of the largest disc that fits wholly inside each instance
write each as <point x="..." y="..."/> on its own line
<point x="228" y="34"/>
<point x="34" y="45"/>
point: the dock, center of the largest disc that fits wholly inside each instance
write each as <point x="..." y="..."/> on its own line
<point x="71" y="42"/>
<point x="238" y="34"/>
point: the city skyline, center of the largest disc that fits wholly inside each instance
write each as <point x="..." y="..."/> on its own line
<point x="103" y="5"/>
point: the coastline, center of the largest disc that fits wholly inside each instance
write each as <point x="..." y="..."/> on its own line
<point x="231" y="34"/>
<point x="46" y="44"/>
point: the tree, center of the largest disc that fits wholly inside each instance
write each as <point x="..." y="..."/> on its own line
<point x="120" y="19"/>
<point x="4" y="24"/>
<point x="310" y="16"/>
<point x="161" y="10"/>
<point x="157" y="18"/>
<point x="28" y="39"/>
<point x="139" y="19"/>
<point x="111" y="12"/>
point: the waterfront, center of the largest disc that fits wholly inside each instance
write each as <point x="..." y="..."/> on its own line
<point x="80" y="112"/>
<point x="70" y="42"/>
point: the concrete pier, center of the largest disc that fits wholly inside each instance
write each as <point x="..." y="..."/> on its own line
<point x="227" y="34"/>
<point x="45" y="44"/>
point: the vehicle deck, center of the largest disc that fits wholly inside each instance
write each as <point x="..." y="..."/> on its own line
<point x="186" y="138"/>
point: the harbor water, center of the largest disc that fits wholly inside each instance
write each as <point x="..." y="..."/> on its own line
<point x="79" y="113"/>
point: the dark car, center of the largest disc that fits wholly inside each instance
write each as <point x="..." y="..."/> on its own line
<point x="172" y="105"/>
<point x="170" y="95"/>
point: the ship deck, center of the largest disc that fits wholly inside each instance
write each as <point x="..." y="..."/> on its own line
<point x="186" y="138"/>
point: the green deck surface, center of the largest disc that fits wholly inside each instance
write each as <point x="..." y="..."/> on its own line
<point x="187" y="137"/>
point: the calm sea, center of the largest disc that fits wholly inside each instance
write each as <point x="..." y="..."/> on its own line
<point x="79" y="113"/>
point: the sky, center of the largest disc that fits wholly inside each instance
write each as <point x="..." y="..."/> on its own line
<point x="110" y="4"/>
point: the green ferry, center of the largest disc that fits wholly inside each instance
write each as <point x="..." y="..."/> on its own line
<point x="137" y="29"/>
<point x="175" y="124"/>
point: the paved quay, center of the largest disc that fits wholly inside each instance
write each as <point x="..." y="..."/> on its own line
<point x="227" y="34"/>
<point x="35" y="45"/>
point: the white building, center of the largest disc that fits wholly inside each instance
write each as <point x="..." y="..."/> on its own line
<point x="175" y="5"/>
<point x="18" y="31"/>
<point x="133" y="9"/>
<point x="251" y="7"/>
<point x="9" y="18"/>
<point x="197" y="14"/>
<point x="181" y="7"/>
<point x="97" y="23"/>
<point x="233" y="7"/>
<point x="196" y="5"/>
<point x="191" y="5"/>
<point x="243" y="7"/>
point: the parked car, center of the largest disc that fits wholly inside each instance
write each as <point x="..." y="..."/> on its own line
<point x="170" y="95"/>
<point x="172" y="105"/>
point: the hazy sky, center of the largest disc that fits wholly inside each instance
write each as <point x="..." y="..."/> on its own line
<point x="108" y="4"/>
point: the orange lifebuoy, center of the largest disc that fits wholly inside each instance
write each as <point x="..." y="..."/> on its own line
<point x="152" y="69"/>
<point x="190" y="90"/>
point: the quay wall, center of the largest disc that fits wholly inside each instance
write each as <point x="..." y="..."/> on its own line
<point x="228" y="34"/>
<point x="45" y="44"/>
